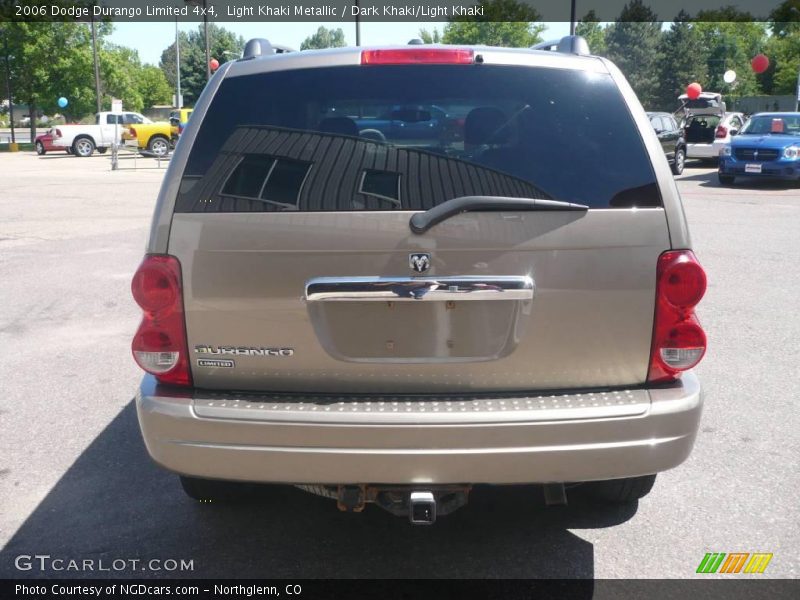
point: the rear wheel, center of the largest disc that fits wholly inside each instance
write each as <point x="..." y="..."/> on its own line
<point x="40" y="149"/>
<point x="679" y="162"/>
<point x="620" y="491"/>
<point x="102" y="150"/>
<point x="372" y="134"/>
<point x="726" y="179"/>
<point x="83" y="147"/>
<point x="158" y="145"/>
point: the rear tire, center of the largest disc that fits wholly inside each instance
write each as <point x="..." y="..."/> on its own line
<point x="102" y="150"/>
<point x="83" y="147"/>
<point x="158" y="145"/>
<point x="679" y="162"/>
<point x="372" y="134"/>
<point x="620" y="491"/>
<point x="726" y="179"/>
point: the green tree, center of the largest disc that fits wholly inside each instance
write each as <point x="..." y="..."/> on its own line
<point x="119" y="77"/>
<point x="633" y="44"/>
<point x="732" y="39"/>
<point x="683" y="60"/>
<point x="430" y="37"/>
<point x="167" y="62"/>
<point x="224" y="45"/>
<point x="53" y="59"/>
<point x="594" y="33"/>
<point x="324" y="38"/>
<point x="40" y="75"/>
<point x="505" y="23"/>
<point x="783" y="50"/>
<point x="784" y="57"/>
<point x="153" y="86"/>
<point x="785" y="19"/>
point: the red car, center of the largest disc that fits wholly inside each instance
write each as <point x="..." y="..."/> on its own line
<point x="44" y="144"/>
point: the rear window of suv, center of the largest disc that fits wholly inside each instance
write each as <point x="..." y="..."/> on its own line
<point x="409" y="137"/>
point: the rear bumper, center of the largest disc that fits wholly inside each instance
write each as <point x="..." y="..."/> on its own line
<point x="508" y="439"/>
<point x="703" y="150"/>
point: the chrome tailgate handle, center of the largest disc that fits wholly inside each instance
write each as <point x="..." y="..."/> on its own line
<point x="411" y="289"/>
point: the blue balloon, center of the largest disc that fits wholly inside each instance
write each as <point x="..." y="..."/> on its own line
<point x="62" y="102"/>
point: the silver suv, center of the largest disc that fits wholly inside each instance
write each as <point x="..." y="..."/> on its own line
<point x="387" y="274"/>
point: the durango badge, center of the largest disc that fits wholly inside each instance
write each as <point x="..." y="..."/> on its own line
<point x="243" y="350"/>
<point x="419" y="262"/>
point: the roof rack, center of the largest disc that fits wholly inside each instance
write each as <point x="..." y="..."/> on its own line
<point x="569" y="44"/>
<point x="258" y="47"/>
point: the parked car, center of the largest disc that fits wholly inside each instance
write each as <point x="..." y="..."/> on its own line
<point x="391" y="322"/>
<point x="671" y="138"/>
<point x="155" y="138"/>
<point x="44" y="144"/>
<point x="708" y="126"/>
<point x="768" y="146"/>
<point x="85" y="139"/>
<point x="178" y="120"/>
<point x="408" y="122"/>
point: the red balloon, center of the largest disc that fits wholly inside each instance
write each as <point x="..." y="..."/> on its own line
<point x="214" y="64"/>
<point x="693" y="90"/>
<point x="760" y="63"/>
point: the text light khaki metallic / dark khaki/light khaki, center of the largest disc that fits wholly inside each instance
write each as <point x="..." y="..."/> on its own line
<point x="387" y="274"/>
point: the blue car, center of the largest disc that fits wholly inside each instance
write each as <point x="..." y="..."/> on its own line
<point x="767" y="146"/>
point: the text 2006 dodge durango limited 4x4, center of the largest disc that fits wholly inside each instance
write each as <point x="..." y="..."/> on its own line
<point x="493" y="284"/>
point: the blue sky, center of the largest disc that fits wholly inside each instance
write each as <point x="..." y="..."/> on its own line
<point x="150" y="39"/>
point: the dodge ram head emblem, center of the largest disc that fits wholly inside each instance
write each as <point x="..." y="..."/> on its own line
<point x="419" y="262"/>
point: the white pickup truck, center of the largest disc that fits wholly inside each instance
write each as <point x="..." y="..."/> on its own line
<point x="83" y="140"/>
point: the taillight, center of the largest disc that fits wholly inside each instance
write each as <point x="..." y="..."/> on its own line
<point x="404" y="56"/>
<point x="159" y="346"/>
<point x="679" y="341"/>
<point x="722" y="131"/>
<point x="132" y="132"/>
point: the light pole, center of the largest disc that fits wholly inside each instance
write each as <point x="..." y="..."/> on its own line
<point x="796" y="10"/>
<point x="96" y="68"/>
<point x="358" y="24"/>
<point x="797" y="103"/>
<point x="205" y="37"/>
<point x="8" y="87"/>
<point x="572" y="18"/>
<point x="178" y="103"/>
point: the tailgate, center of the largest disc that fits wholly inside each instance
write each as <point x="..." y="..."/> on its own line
<point x="588" y="321"/>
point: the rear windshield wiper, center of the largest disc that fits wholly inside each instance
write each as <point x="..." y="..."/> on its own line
<point x="421" y="222"/>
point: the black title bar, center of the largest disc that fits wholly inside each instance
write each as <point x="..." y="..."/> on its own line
<point x="376" y="10"/>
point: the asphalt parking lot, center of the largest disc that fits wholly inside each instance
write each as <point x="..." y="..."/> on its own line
<point x="76" y="482"/>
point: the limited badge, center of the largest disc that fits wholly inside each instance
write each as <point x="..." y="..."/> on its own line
<point x="206" y="362"/>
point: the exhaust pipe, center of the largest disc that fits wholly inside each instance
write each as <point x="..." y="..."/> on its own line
<point x="422" y="508"/>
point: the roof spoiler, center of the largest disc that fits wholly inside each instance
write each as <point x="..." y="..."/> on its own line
<point x="569" y="44"/>
<point x="260" y="47"/>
